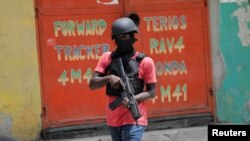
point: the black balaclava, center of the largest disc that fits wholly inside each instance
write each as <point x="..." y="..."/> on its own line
<point x="125" y="46"/>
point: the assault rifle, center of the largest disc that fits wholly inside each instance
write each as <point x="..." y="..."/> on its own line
<point x="127" y="92"/>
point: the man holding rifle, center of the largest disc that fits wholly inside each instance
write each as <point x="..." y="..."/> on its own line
<point x="125" y="72"/>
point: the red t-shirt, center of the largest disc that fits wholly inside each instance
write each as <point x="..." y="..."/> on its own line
<point x="121" y="115"/>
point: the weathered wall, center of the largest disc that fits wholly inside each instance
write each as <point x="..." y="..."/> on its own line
<point x="19" y="80"/>
<point x="230" y="61"/>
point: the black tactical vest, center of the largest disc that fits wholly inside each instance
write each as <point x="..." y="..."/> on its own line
<point x="132" y="72"/>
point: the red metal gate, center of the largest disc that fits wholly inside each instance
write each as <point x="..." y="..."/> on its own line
<point x="74" y="34"/>
<point x="175" y="34"/>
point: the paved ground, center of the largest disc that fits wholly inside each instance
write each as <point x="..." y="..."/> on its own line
<point x="178" y="134"/>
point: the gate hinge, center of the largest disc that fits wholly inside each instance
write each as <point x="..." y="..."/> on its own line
<point x="36" y="12"/>
<point x="44" y="111"/>
<point x="205" y="3"/>
<point x="211" y="90"/>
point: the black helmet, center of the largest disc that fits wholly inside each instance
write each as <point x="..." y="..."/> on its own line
<point x="123" y="25"/>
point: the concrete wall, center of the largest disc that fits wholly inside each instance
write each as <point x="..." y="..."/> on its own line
<point x="230" y="38"/>
<point x="19" y="78"/>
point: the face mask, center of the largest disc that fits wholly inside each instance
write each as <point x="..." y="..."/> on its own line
<point x="124" y="46"/>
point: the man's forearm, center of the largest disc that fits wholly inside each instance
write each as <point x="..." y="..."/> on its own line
<point x="98" y="82"/>
<point x="148" y="94"/>
<point x="144" y="96"/>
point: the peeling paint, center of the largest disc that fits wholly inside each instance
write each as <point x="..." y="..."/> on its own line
<point x="247" y="112"/>
<point x="227" y="1"/>
<point x="232" y="97"/>
<point x="26" y="116"/>
<point x="233" y="1"/>
<point x="218" y="70"/>
<point x="248" y="105"/>
<point x="108" y="3"/>
<point x="243" y="15"/>
<point x="5" y="124"/>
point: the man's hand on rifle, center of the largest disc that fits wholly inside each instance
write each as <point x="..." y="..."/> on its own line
<point x="116" y="82"/>
<point x="125" y="102"/>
